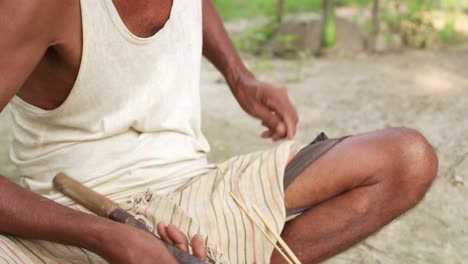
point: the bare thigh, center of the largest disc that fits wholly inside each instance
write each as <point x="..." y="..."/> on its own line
<point x="364" y="160"/>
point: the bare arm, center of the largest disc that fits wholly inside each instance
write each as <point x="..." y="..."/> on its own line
<point x="266" y="102"/>
<point x="21" y="46"/>
<point x="27" y="29"/>
<point x="25" y="38"/>
<point x="218" y="48"/>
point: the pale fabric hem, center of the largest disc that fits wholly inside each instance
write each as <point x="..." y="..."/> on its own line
<point x="125" y="195"/>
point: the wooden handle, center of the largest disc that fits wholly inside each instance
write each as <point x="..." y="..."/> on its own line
<point x="83" y="195"/>
<point x="102" y="206"/>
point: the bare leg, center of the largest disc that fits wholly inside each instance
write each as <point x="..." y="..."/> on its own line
<point x="355" y="189"/>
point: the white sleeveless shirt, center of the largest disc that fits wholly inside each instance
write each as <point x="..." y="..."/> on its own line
<point x="132" y="119"/>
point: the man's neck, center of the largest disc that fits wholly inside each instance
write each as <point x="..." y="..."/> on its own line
<point x="144" y="17"/>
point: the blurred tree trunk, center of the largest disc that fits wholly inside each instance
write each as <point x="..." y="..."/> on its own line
<point x="280" y="11"/>
<point x="375" y="25"/>
<point x="328" y="25"/>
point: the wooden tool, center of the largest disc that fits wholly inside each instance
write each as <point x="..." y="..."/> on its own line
<point x="104" y="207"/>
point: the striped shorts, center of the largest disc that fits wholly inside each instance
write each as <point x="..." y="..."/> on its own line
<point x="202" y="206"/>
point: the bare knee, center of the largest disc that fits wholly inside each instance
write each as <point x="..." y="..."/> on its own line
<point x="415" y="163"/>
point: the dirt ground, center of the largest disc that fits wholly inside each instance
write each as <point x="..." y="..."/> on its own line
<point x="425" y="90"/>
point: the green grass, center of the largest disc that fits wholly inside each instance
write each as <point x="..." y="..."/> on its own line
<point x="253" y="39"/>
<point x="236" y="9"/>
<point x="449" y="36"/>
<point x="411" y="25"/>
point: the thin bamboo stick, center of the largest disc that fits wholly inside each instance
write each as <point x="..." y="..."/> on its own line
<point x="261" y="229"/>
<point x="278" y="237"/>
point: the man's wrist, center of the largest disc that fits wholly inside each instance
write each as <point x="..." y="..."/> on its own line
<point x="236" y="75"/>
<point x="100" y="233"/>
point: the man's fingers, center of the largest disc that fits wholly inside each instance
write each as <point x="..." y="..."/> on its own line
<point x="198" y="247"/>
<point x="267" y="134"/>
<point x="179" y="239"/>
<point x="161" y="228"/>
<point x="280" y="132"/>
<point x="290" y="126"/>
<point x="275" y="134"/>
<point x="269" y="119"/>
<point x="280" y="104"/>
<point x="170" y="234"/>
<point x="288" y="116"/>
<point x="277" y="113"/>
<point x="292" y="121"/>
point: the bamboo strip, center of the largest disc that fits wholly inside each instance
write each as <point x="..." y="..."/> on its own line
<point x="261" y="229"/>
<point x="278" y="237"/>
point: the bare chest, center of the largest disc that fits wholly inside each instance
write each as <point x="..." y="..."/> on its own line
<point x="52" y="80"/>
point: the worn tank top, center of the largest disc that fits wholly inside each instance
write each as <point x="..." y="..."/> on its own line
<point x="132" y="119"/>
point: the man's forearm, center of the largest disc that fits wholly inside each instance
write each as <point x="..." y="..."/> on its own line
<point x="266" y="102"/>
<point x="218" y="48"/>
<point x="28" y="215"/>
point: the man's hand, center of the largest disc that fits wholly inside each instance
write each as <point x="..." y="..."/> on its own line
<point x="171" y="235"/>
<point x="126" y="244"/>
<point x="269" y="104"/>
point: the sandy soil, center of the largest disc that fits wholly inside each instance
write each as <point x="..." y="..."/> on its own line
<point x="426" y="90"/>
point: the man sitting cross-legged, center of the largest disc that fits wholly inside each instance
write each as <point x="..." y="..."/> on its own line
<point x="107" y="92"/>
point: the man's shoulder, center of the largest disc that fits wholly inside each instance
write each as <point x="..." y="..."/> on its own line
<point x="34" y="17"/>
<point x="24" y="9"/>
